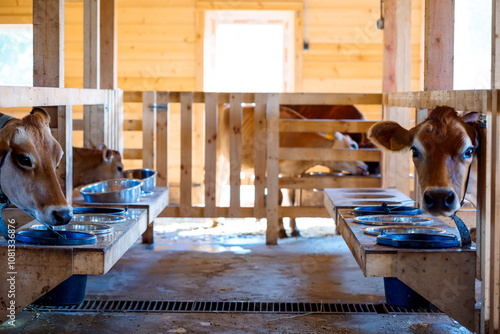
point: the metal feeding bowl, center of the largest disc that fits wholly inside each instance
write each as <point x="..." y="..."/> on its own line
<point x="417" y="240"/>
<point x="100" y="210"/>
<point x="393" y="220"/>
<point x="95" y="229"/>
<point x="377" y="230"/>
<point x="147" y="176"/>
<point x="99" y="219"/>
<point x="113" y="191"/>
<point x="63" y="238"/>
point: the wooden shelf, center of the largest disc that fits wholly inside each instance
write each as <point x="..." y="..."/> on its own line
<point x="445" y="276"/>
<point x="38" y="269"/>
<point x="154" y="204"/>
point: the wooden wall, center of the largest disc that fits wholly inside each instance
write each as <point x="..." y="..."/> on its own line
<point x="159" y="48"/>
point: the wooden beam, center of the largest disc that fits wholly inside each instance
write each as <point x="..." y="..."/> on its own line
<point x="397" y="77"/>
<point x="235" y="150"/>
<point x="272" y="144"/>
<point x="211" y="120"/>
<point x="260" y="141"/>
<point x="344" y="126"/>
<point x="327" y="154"/>
<point x="91" y="44"/>
<point x="162" y="143"/>
<point x="108" y="44"/>
<point x="186" y="150"/>
<point x="439" y="44"/>
<point x="465" y="100"/>
<point x="149" y="130"/>
<point x="48" y="43"/>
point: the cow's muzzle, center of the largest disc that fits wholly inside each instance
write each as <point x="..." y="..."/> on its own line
<point x="440" y="201"/>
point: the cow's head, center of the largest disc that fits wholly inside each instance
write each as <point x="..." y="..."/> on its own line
<point x="92" y="165"/>
<point x="443" y="148"/>
<point x="29" y="156"/>
<point x="341" y="141"/>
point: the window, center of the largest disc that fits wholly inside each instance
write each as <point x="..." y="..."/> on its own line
<point x="472" y="61"/>
<point x="16" y="55"/>
<point x="249" y="51"/>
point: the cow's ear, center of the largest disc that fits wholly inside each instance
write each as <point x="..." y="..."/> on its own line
<point x="470" y="117"/>
<point x="389" y="135"/>
<point x="4" y="149"/>
<point x="42" y="113"/>
<point x="107" y="155"/>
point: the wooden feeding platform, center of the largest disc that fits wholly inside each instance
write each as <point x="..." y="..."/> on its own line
<point x="444" y="276"/>
<point x="37" y="269"/>
<point x="154" y="205"/>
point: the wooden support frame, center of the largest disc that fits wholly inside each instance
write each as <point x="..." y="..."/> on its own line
<point x="211" y="127"/>
<point x="235" y="145"/>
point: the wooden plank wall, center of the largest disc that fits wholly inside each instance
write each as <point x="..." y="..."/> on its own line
<point x="157" y="51"/>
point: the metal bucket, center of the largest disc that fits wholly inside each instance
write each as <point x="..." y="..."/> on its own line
<point x="147" y="176"/>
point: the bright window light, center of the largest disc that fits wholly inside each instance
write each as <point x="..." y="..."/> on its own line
<point x="16" y="55"/>
<point x="472" y="61"/>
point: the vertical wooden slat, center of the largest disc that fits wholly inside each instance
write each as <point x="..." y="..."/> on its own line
<point x="186" y="150"/>
<point x="272" y="111"/>
<point x="163" y="130"/>
<point x="235" y="149"/>
<point x="108" y="44"/>
<point x="260" y="141"/>
<point x="439" y="44"/>
<point x="119" y="120"/>
<point x="48" y="71"/>
<point x="148" y="130"/>
<point x="211" y="119"/>
<point x="91" y="44"/>
<point x="397" y="78"/>
<point x="95" y="125"/>
<point x="48" y="43"/>
<point x="65" y="138"/>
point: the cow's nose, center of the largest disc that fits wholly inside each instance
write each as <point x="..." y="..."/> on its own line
<point x="62" y="216"/>
<point x="439" y="200"/>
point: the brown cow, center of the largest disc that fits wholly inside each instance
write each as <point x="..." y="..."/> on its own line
<point x="29" y="156"/>
<point x="93" y="165"/>
<point x="444" y="148"/>
<point x="288" y="167"/>
<point x="311" y="111"/>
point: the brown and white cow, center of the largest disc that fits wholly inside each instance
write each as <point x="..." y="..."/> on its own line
<point x="29" y="156"/>
<point x="92" y="165"/>
<point x="286" y="167"/>
<point x="443" y="147"/>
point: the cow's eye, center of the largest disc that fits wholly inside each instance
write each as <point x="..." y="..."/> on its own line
<point x="468" y="153"/>
<point x="120" y="169"/>
<point x="416" y="153"/>
<point x="24" y="160"/>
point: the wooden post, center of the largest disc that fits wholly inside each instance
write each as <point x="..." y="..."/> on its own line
<point x="186" y="150"/>
<point x="491" y="257"/>
<point x="397" y="78"/>
<point x="148" y="130"/>
<point x="235" y="150"/>
<point x="162" y="133"/>
<point x="211" y="119"/>
<point x="272" y="179"/>
<point x="48" y="71"/>
<point x="108" y="44"/>
<point x="95" y="117"/>
<point x="260" y="141"/>
<point x="439" y="44"/>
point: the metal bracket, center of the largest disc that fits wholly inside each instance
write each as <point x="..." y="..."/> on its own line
<point x="482" y="121"/>
<point x="159" y="106"/>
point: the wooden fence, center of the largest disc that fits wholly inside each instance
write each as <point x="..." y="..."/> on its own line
<point x="155" y="128"/>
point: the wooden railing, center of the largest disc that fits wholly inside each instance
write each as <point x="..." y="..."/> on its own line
<point x="155" y="127"/>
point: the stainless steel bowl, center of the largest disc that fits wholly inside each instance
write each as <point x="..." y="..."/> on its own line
<point x="96" y="229"/>
<point x="147" y="176"/>
<point x="97" y="218"/>
<point x="377" y="230"/>
<point x="393" y="220"/>
<point x="113" y="191"/>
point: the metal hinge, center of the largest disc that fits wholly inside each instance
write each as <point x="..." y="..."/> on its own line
<point x="159" y="106"/>
<point x="482" y="121"/>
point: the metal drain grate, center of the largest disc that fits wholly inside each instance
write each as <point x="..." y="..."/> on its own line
<point x="98" y="305"/>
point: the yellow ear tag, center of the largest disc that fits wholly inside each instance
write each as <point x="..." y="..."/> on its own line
<point x="330" y="136"/>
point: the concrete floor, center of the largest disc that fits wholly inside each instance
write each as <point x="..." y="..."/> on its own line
<point x="196" y="262"/>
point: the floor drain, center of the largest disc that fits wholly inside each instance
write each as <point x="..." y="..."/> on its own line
<point x="163" y="306"/>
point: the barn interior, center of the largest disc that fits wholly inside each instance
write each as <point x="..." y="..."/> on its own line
<point x="149" y="79"/>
